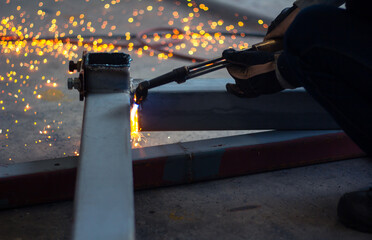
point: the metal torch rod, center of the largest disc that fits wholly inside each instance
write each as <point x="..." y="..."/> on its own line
<point x="207" y="69"/>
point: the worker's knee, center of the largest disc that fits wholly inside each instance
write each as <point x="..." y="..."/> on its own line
<point x="312" y="26"/>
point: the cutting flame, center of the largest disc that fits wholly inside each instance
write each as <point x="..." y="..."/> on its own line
<point x="135" y="135"/>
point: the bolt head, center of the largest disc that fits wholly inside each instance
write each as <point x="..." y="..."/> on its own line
<point x="72" y="66"/>
<point x="70" y="83"/>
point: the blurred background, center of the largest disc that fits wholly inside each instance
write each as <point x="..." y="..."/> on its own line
<point x="41" y="119"/>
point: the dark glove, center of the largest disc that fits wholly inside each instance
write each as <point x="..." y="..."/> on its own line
<point x="253" y="71"/>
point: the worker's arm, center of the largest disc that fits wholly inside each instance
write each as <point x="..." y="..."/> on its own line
<point x="258" y="72"/>
<point x="279" y="26"/>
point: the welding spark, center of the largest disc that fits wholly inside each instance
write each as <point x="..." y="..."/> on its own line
<point x="135" y="134"/>
<point x="33" y="39"/>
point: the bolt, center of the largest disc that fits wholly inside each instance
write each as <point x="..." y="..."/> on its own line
<point x="70" y="83"/>
<point x="73" y="83"/>
<point x="72" y="66"/>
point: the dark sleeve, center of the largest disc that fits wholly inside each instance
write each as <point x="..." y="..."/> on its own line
<point x="360" y="8"/>
<point x="306" y="3"/>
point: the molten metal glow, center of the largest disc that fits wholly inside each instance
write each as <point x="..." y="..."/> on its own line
<point x="135" y="135"/>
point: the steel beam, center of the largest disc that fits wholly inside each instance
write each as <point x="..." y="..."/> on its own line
<point x="203" y="104"/>
<point x="104" y="205"/>
<point x="52" y="180"/>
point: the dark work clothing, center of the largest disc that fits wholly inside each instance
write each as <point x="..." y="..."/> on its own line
<point x="307" y="3"/>
<point x="359" y="8"/>
<point x="328" y="51"/>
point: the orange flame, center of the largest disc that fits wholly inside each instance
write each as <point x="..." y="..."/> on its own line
<point x="135" y="135"/>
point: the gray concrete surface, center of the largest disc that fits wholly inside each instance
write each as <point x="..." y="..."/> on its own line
<point x="288" y="204"/>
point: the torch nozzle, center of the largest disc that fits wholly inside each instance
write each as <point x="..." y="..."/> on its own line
<point x="141" y="92"/>
<point x="178" y="75"/>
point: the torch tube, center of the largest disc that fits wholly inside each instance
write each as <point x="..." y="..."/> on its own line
<point x="178" y="75"/>
<point x="181" y="74"/>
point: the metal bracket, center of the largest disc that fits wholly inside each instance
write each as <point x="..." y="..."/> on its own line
<point x="100" y="72"/>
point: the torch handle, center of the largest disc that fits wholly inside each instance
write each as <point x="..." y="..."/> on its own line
<point x="272" y="45"/>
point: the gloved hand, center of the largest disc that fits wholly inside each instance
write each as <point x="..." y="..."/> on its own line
<point x="253" y="71"/>
<point x="281" y="23"/>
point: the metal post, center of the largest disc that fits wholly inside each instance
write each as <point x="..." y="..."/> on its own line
<point x="104" y="207"/>
<point x="203" y="104"/>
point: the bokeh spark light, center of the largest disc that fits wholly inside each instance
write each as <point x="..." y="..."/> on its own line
<point x="39" y="118"/>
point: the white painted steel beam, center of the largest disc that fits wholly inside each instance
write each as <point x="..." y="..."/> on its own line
<point x="104" y="205"/>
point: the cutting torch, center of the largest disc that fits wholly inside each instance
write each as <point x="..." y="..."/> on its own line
<point x="180" y="75"/>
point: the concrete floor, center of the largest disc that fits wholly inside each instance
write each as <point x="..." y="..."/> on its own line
<point x="289" y="204"/>
<point x="296" y="203"/>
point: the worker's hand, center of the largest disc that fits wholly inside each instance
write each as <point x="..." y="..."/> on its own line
<point x="253" y="71"/>
<point x="281" y="23"/>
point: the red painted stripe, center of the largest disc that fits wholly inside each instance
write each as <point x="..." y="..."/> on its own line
<point x="60" y="185"/>
<point x="37" y="188"/>
<point x="148" y="173"/>
<point x="287" y="154"/>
